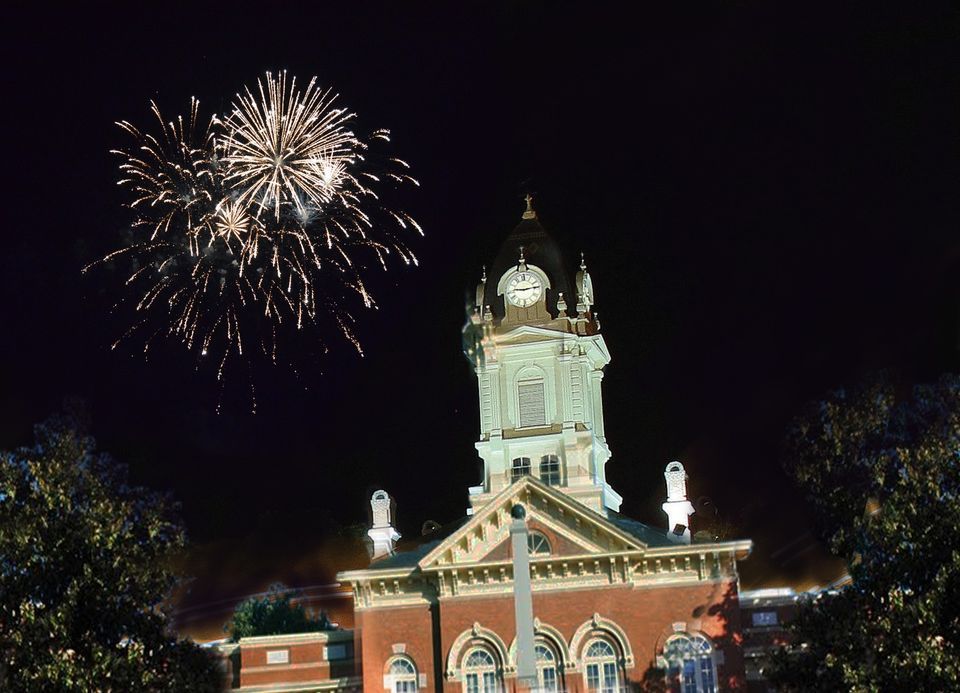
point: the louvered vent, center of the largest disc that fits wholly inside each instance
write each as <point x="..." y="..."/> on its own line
<point x="532" y="405"/>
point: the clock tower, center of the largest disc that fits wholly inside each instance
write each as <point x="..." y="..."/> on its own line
<point x="535" y="344"/>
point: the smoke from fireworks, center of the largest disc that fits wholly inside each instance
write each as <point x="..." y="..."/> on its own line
<point x="256" y="221"/>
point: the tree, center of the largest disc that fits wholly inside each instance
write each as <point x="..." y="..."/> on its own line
<point x="882" y="472"/>
<point x="86" y="576"/>
<point x="275" y="613"/>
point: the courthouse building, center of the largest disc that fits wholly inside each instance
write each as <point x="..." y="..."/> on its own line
<point x="616" y="604"/>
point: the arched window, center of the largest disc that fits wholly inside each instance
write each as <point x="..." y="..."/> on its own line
<point x="550" y="470"/>
<point x="602" y="670"/>
<point x="403" y="675"/>
<point x="691" y="663"/>
<point x="538" y="544"/>
<point x="480" y="672"/>
<point x="548" y="673"/>
<point x="532" y="406"/>
<point x="521" y="468"/>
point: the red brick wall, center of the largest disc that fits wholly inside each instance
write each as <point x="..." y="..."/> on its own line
<point x="376" y="632"/>
<point x="306" y="664"/>
<point x="645" y="615"/>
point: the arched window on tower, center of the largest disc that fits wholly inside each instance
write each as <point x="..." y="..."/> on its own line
<point x="602" y="667"/>
<point x="691" y="663"/>
<point x="520" y="468"/>
<point x="403" y="675"/>
<point x="532" y="406"/>
<point x="550" y="470"/>
<point x="481" y="673"/>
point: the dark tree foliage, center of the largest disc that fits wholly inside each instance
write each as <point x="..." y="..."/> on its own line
<point x="883" y="474"/>
<point x="275" y="613"/>
<point x="85" y="575"/>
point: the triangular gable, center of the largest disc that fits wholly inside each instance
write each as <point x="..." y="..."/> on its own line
<point x="577" y="526"/>
<point x="534" y="333"/>
<point x="530" y="333"/>
<point x="563" y="543"/>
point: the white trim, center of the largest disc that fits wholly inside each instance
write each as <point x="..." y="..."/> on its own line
<point x="552" y="636"/>
<point x="457" y="653"/>
<point x="580" y="640"/>
<point x="390" y="679"/>
<point x="323" y="636"/>
<point x="281" y="656"/>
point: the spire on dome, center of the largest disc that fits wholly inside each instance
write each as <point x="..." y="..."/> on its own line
<point x="539" y="249"/>
<point x="584" y="284"/>
<point x="529" y="213"/>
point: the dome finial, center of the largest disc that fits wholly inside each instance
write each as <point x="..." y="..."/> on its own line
<point x="529" y="213"/>
<point x="583" y="261"/>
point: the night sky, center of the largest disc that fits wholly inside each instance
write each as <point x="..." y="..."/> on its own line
<point x="766" y="198"/>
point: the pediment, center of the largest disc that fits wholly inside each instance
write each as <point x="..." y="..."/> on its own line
<point x="571" y="528"/>
<point x="530" y="333"/>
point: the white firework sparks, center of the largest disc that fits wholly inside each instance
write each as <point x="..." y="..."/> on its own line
<point x="287" y="147"/>
<point x="256" y="220"/>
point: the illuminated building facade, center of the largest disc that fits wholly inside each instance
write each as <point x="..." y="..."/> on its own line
<point x="616" y="604"/>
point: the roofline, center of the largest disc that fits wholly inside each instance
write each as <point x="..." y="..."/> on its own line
<point x="745" y="545"/>
<point x="352" y="575"/>
<point x="737" y="545"/>
<point x="294" y="638"/>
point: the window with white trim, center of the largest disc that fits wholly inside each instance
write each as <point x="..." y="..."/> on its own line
<point x="548" y="672"/>
<point x="691" y="663"/>
<point x="532" y="403"/>
<point x="520" y="468"/>
<point x="403" y="675"/>
<point x="601" y="668"/>
<point x="481" y="673"/>
<point x="550" y="470"/>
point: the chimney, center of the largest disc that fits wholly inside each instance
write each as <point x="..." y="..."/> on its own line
<point x="677" y="507"/>
<point x="382" y="533"/>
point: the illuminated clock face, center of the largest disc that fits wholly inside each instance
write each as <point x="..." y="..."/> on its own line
<point x="524" y="289"/>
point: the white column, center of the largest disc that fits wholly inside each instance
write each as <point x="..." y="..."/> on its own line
<point x="523" y="600"/>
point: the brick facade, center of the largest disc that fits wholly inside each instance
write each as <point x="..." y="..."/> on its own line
<point x="647" y="617"/>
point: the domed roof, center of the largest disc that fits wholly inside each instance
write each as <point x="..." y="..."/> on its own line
<point x="539" y="249"/>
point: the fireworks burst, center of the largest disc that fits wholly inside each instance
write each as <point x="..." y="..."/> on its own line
<point x="256" y="221"/>
<point x="285" y="147"/>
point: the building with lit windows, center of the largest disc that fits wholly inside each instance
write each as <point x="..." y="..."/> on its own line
<point x="615" y="604"/>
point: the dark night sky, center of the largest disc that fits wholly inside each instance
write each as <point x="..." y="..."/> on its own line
<point x="766" y="198"/>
